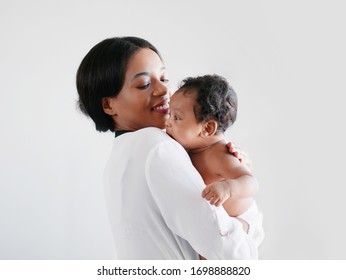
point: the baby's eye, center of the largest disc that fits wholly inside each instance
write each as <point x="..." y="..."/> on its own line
<point x="176" y="118"/>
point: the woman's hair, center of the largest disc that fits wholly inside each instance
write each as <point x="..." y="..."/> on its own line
<point x="102" y="74"/>
<point x="216" y="100"/>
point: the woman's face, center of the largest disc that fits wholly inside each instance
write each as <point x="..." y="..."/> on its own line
<point x="144" y="99"/>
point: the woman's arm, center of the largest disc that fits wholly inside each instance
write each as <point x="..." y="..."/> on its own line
<point x="176" y="186"/>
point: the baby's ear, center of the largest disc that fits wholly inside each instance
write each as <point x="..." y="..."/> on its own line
<point x="209" y="128"/>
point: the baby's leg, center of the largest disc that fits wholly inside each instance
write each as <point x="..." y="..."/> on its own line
<point x="245" y="228"/>
<point x="236" y="207"/>
<point x="245" y="224"/>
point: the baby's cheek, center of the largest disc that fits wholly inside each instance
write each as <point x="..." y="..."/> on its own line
<point x="186" y="141"/>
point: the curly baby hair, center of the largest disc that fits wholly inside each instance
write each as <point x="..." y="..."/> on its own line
<point x="216" y="99"/>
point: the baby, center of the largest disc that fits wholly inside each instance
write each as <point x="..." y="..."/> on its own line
<point x="200" y="112"/>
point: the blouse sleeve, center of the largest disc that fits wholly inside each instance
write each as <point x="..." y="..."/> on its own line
<point x="176" y="187"/>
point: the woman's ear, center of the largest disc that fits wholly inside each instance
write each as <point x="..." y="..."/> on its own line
<point x="108" y="106"/>
<point x="209" y="128"/>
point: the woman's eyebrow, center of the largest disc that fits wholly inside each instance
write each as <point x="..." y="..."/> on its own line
<point x="140" y="74"/>
<point x="146" y="73"/>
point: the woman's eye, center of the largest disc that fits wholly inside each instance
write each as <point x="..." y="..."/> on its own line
<point x="144" y="86"/>
<point x="164" y="80"/>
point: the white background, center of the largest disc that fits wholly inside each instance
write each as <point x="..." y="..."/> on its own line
<point x="285" y="59"/>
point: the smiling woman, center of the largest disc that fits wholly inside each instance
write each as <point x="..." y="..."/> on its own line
<point x="144" y="92"/>
<point x="151" y="185"/>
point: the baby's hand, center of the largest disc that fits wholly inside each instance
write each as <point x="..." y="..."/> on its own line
<point x="216" y="193"/>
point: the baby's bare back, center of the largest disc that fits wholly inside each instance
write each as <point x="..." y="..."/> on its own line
<point x="208" y="163"/>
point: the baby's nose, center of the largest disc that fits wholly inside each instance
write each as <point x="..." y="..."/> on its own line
<point x="168" y="123"/>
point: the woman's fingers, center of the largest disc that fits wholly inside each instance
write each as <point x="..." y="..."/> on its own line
<point x="241" y="155"/>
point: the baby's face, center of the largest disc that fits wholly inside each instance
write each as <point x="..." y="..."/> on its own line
<point x="182" y="124"/>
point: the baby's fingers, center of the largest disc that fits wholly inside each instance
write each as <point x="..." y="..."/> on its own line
<point x="205" y="192"/>
<point x="218" y="203"/>
<point x="209" y="196"/>
<point x="214" y="201"/>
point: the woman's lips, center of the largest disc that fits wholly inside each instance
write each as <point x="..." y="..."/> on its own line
<point x="162" y="108"/>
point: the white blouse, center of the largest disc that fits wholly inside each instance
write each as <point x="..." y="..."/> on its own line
<point x="155" y="207"/>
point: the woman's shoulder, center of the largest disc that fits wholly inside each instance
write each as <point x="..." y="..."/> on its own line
<point x="151" y="132"/>
<point x="159" y="146"/>
<point x="152" y="136"/>
<point x="153" y="140"/>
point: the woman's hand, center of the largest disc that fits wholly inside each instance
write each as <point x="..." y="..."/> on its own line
<point x="239" y="154"/>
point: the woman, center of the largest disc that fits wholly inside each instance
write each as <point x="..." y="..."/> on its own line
<point x="153" y="191"/>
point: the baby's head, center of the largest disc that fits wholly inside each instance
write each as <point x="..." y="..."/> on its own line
<point x="202" y="107"/>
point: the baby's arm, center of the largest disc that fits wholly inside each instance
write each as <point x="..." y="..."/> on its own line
<point x="235" y="192"/>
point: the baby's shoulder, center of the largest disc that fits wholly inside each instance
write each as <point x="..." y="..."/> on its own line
<point x="220" y="156"/>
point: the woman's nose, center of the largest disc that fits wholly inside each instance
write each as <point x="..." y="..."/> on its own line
<point x="161" y="90"/>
